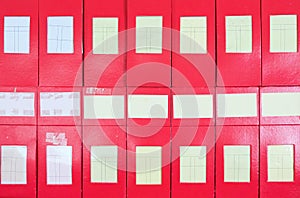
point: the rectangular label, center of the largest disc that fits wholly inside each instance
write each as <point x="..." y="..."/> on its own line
<point x="280" y="163"/>
<point x="148" y="165"/>
<point x="149" y="34"/>
<point x="280" y="104"/>
<point x="192" y="164"/>
<point x="59" y="165"/>
<point x="148" y="106"/>
<point x="60" y="35"/>
<point x="237" y="163"/>
<point x="283" y="33"/>
<point x="104" y="107"/>
<point x="13" y="164"/>
<point x="105" y="35"/>
<point x="193" y="106"/>
<point x="193" y="35"/>
<point x="238" y="34"/>
<point x="59" y="104"/>
<point x="104" y="164"/>
<point x="16" y="34"/>
<point x="17" y="104"/>
<point x="237" y="105"/>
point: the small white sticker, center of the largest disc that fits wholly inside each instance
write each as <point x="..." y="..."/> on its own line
<point x="58" y="139"/>
<point x="59" y="104"/>
<point x="17" y="104"/>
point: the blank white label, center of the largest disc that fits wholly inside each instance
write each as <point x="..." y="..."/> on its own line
<point x="148" y="165"/>
<point x="193" y="35"/>
<point x="60" y="104"/>
<point x="104" y="164"/>
<point x="237" y="105"/>
<point x="280" y="163"/>
<point x="103" y="107"/>
<point x="238" y="34"/>
<point x="59" y="165"/>
<point x="193" y="106"/>
<point x="13" y="164"/>
<point x="149" y="34"/>
<point x="60" y="35"/>
<point x="283" y="33"/>
<point x="192" y="164"/>
<point x="17" y="104"/>
<point x="105" y="35"/>
<point x="16" y="34"/>
<point x="148" y="106"/>
<point x="237" y="163"/>
<point x="280" y="104"/>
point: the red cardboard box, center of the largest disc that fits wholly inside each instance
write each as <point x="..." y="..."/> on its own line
<point x="19" y="43"/>
<point x="239" y="43"/>
<point x="148" y="162"/>
<point x="193" y="43"/>
<point x="237" y="161"/>
<point x="149" y="59"/>
<point x="193" y="161"/>
<point x="278" y="136"/>
<point x="60" y="43"/>
<point x="18" y="157"/>
<point x="104" y="147"/>
<point x="104" y="63"/>
<point x="280" y="56"/>
<point x="59" y="165"/>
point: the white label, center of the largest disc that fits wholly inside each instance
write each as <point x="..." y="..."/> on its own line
<point x="105" y="35"/>
<point x="59" y="104"/>
<point x="60" y="35"/>
<point x="147" y="106"/>
<point x="193" y="35"/>
<point x="16" y="34"/>
<point x="238" y="34"/>
<point x="280" y="104"/>
<point x="237" y="105"/>
<point x="104" y="164"/>
<point x="193" y="106"/>
<point x="17" y="104"/>
<point x="59" y="165"/>
<point x="192" y="164"/>
<point x="237" y="163"/>
<point x="103" y="107"/>
<point x="280" y="163"/>
<point x="283" y="33"/>
<point x="13" y="164"/>
<point x="149" y="34"/>
<point x="148" y="165"/>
